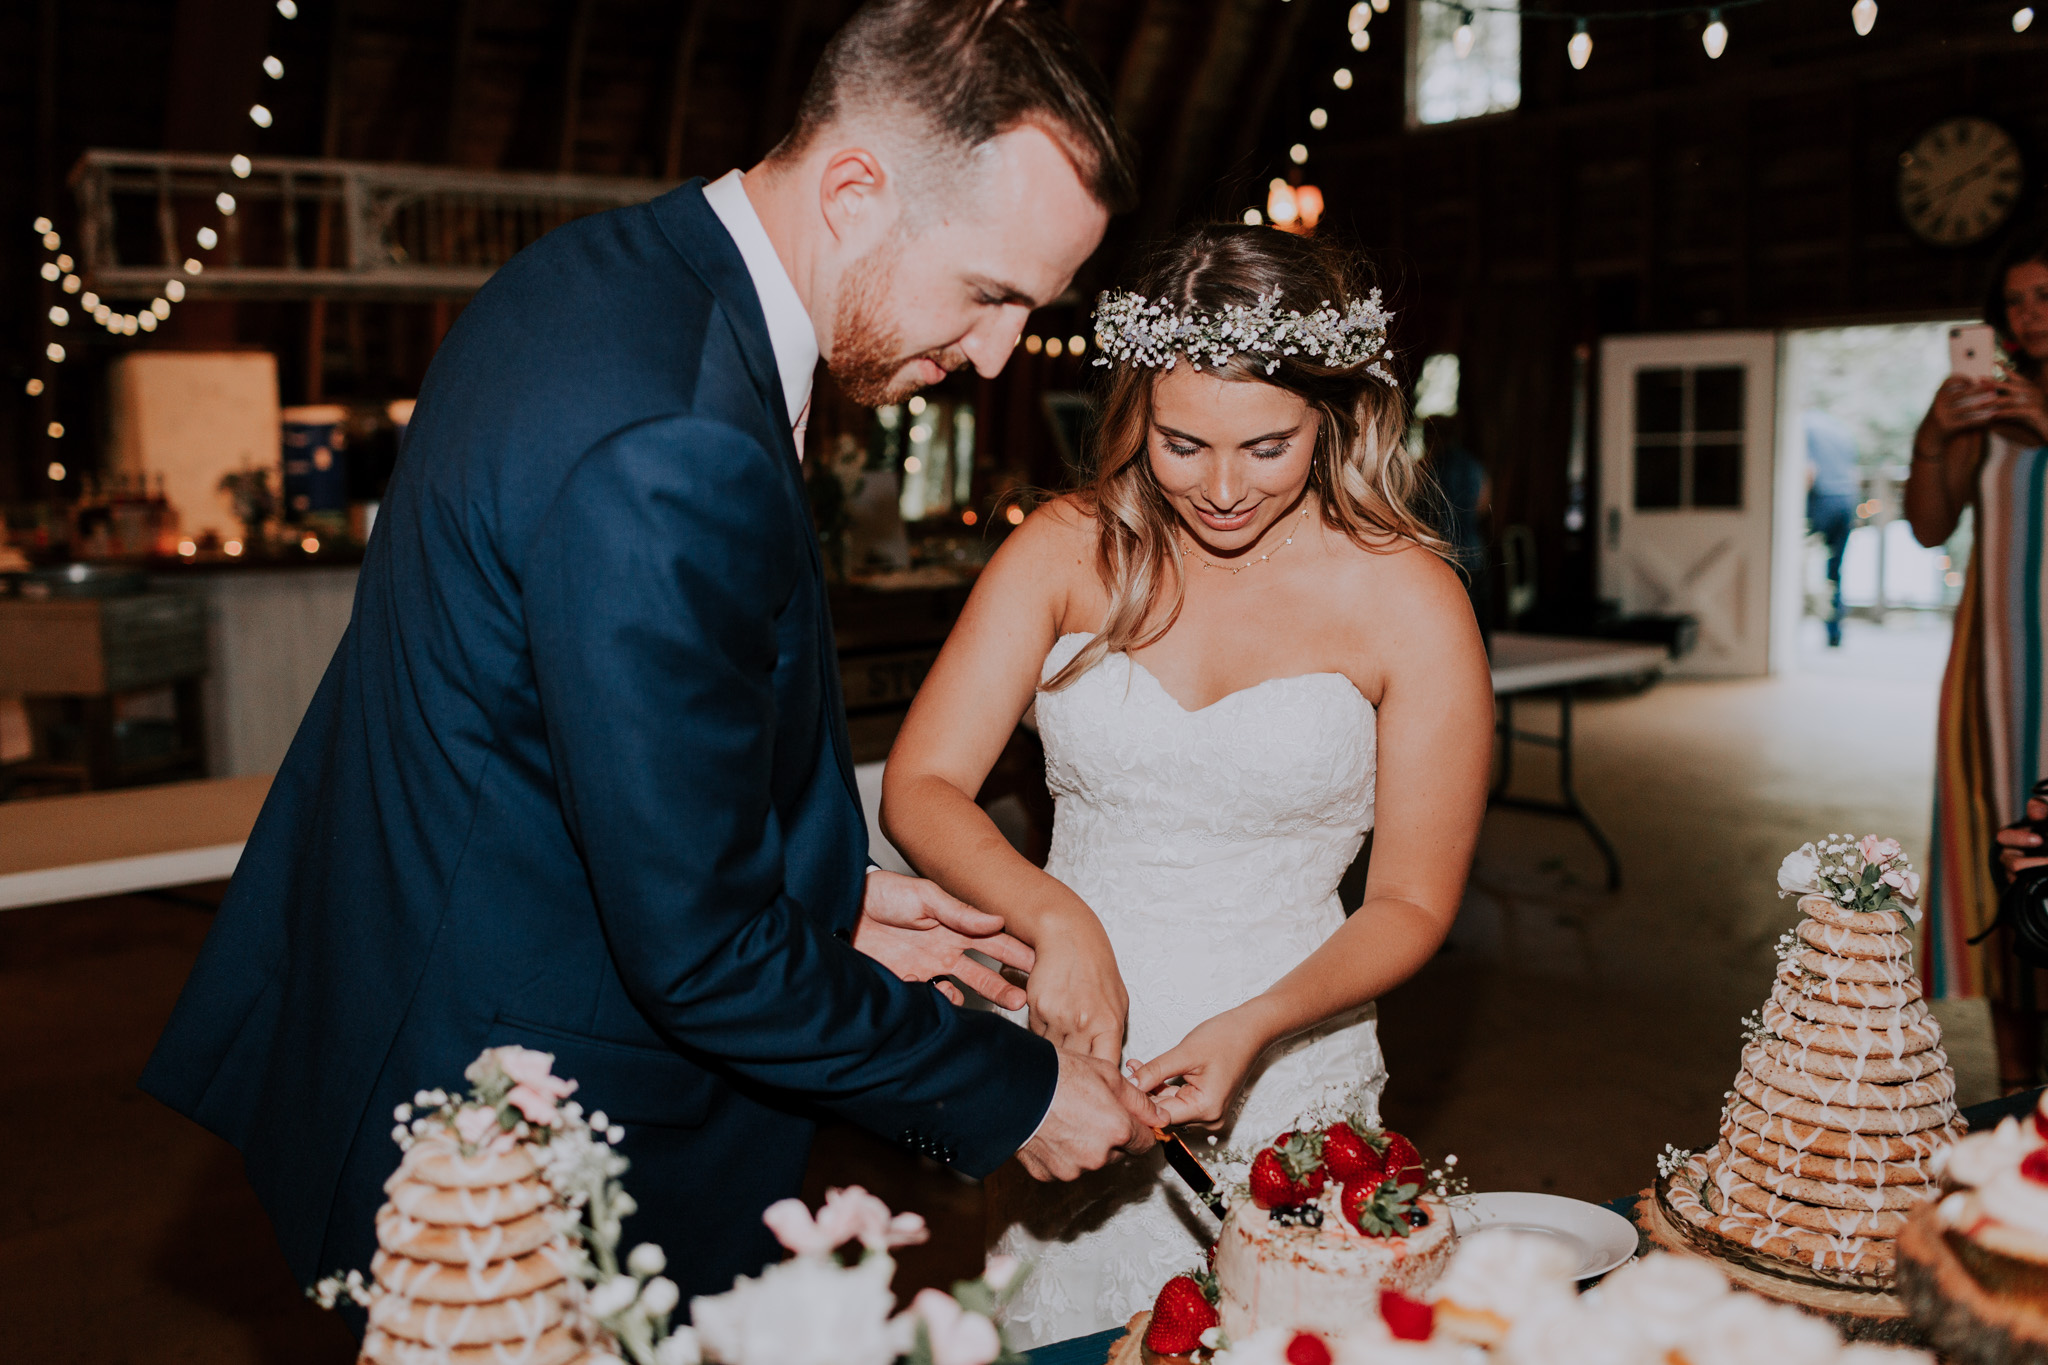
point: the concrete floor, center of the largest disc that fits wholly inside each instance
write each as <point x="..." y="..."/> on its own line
<point x="1558" y="1042"/>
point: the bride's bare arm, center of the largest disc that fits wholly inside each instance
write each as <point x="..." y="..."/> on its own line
<point x="1435" y="748"/>
<point x="964" y="714"/>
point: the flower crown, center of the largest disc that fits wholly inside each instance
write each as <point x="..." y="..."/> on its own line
<point x="1140" y="331"/>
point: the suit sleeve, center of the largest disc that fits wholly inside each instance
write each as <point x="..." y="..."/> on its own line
<point x="652" y="594"/>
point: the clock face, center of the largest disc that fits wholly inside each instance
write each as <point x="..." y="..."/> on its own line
<point x="1959" y="183"/>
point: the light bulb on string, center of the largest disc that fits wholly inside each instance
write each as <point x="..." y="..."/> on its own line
<point x="50" y="271"/>
<point x="42" y="226"/>
<point x="1341" y="78"/>
<point x="1360" y="40"/>
<point x="1280" y="203"/>
<point x="1461" y="39"/>
<point x="65" y="262"/>
<point x="146" y="321"/>
<point x="1298" y="154"/>
<point x="51" y="241"/>
<point x="2022" y="18"/>
<point x="160" y="308"/>
<point x="225" y="202"/>
<point x="56" y="430"/>
<point x="288" y="8"/>
<point x="1318" y="119"/>
<point x="174" y="290"/>
<point x="193" y="265"/>
<point x="1252" y="218"/>
<point x="55" y="352"/>
<point x="72" y="284"/>
<point x="33" y="387"/>
<point x="273" y="68"/>
<point x="1714" y="38"/>
<point x="1380" y="6"/>
<point x="1863" y="14"/>
<point x="259" y="115"/>
<point x="89" y="301"/>
<point x="60" y="316"/>
<point x="1580" y="48"/>
<point x="239" y="164"/>
<point x="56" y="471"/>
<point x="207" y="238"/>
<point x="1359" y="17"/>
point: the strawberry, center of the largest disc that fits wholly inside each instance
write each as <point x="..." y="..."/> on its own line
<point x="2034" y="1166"/>
<point x="1186" y="1308"/>
<point x="1403" y="1162"/>
<point x="1309" y="1349"/>
<point x="1349" y="1158"/>
<point x="1291" y="1171"/>
<point x="1407" y="1319"/>
<point x="1384" y="1210"/>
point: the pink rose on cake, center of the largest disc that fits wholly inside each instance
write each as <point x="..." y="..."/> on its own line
<point x="848" y="1215"/>
<point x="1880" y="851"/>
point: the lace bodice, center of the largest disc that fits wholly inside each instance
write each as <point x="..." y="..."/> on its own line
<point x="1210" y="844"/>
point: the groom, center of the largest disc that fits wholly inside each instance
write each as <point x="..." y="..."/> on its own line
<point x="577" y="777"/>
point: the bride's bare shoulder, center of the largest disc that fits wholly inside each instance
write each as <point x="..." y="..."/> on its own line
<point x="1058" y="536"/>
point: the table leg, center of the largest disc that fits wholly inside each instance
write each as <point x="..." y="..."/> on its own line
<point x="1568" y="804"/>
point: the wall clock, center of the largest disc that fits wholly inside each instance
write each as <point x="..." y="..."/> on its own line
<point x="1960" y="182"/>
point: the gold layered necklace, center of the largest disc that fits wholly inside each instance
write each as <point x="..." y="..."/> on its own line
<point x="1208" y="563"/>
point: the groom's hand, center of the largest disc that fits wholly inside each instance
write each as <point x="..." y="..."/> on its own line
<point x="1096" y="1116"/>
<point x="920" y="933"/>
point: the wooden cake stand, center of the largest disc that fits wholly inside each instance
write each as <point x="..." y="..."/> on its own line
<point x="1859" y="1314"/>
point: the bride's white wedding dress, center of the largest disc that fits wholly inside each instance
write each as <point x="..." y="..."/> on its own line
<point x="1210" y="844"/>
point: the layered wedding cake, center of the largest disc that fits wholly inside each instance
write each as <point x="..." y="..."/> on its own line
<point x="1845" y="1100"/>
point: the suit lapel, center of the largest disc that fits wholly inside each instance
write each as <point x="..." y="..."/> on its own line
<point x="697" y="234"/>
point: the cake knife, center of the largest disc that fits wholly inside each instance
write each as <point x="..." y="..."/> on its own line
<point x="1189" y="1169"/>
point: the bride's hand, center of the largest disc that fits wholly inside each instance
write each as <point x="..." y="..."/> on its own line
<point x="1077" y="995"/>
<point x="1211" y="1062"/>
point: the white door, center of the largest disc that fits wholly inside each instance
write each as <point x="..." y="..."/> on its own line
<point x="1686" y="427"/>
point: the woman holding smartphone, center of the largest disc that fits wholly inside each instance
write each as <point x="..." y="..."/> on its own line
<point x="1984" y="445"/>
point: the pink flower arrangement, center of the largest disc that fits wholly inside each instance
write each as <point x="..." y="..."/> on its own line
<point x="535" y="1088"/>
<point x="849" y="1215"/>
<point x="1876" y="850"/>
<point x="957" y="1337"/>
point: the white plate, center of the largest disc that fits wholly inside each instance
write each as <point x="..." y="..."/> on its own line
<point x="1600" y="1238"/>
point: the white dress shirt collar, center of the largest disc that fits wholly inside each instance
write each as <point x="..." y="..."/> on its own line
<point x="790" y="332"/>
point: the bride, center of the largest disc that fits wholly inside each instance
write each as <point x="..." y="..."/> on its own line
<point x="1246" y="650"/>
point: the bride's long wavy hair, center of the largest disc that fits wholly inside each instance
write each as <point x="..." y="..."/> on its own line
<point x="1363" y="478"/>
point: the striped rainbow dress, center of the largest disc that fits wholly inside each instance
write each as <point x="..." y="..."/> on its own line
<point x="1988" y="746"/>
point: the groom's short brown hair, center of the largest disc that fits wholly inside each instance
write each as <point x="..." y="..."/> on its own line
<point x="969" y="70"/>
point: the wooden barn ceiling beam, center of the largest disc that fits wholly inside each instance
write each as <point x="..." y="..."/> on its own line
<point x="775" y="111"/>
<point x="1279" y="58"/>
<point x="1211" y="97"/>
<point x="578" y="48"/>
<point x="681" y="76"/>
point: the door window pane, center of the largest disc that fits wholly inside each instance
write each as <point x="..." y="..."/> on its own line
<point x="1657" y="477"/>
<point x="1717" y="476"/>
<point x="1660" y="401"/>
<point x="1717" y="399"/>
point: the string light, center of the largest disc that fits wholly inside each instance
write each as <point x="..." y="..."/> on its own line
<point x="231" y="548"/>
<point x="259" y="115"/>
<point x="42" y="226"/>
<point x="1298" y="154"/>
<point x="193" y="265"/>
<point x="240" y="165"/>
<point x="273" y="68"/>
<point x="56" y="430"/>
<point x="1714" y="38"/>
<point x="1359" y="17"/>
<point x="51" y="241"/>
<point x="56" y="471"/>
<point x="1034" y="344"/>
<point x="1360" y="39"/>
<point x="160" y="308"/>
<point x="1318" y="119"/>
<point x="1863" y="14"/>
<point x="2022" y="18"/>
<point x="288" y="9"/>
<point x="207" y="238"/>
<point x="174" y="290"/>
<point x="1015" y="516"/>
<point x="50" y="271"/>
<point x="1580" y="48"/>
<point x="55" y="352"/>
<point x="60" y="316"/>
<point x="1252" y="218"/>
<point x="1055" y="348"/>
<point x="89" y="301"/>
<point x="72" y="284"/>
<point x="225" y="202"/>
<point x="1461" y="39"/>
<point x="1280" y="205"/>
<point x="1076" y="345"/>
<point x="1341" y="78"/>
<point x="34" y="387"/>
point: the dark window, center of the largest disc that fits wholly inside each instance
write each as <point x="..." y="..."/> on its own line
<point x="1689" y="437"/>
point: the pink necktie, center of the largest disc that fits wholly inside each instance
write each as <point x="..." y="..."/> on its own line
<point x="803" y="420"/>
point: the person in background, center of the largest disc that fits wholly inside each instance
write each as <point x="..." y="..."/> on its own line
<point x="1833" y="486"/>
<point x="1465" y="497"/>
<point x="1984" y="445"/>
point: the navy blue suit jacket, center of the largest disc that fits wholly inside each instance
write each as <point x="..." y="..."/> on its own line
<point x="578" y="778"/>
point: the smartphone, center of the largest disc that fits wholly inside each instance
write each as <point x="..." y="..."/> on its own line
<point x="1973" y="351"/>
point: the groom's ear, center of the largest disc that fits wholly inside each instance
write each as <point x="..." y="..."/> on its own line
<point x="858" y="198"/>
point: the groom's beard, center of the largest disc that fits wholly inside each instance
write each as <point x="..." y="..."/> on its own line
<point x="868" y="355"/>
